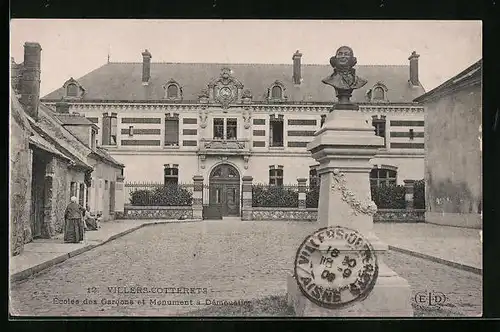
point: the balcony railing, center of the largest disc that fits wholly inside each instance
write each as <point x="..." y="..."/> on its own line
<point x="224" y="145"/>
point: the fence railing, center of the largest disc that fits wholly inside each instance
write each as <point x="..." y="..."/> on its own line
<point x="159" y="194"/>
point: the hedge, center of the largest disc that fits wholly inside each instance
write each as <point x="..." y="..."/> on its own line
<point x="312" y="197"/>
<point x="389" y="196"/>
<point x="274" y="196"/>
<point x="419" y="194"/>
<point x="169" y="195"/>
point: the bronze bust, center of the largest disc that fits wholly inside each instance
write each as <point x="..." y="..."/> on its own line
<point x="344" y="78"/>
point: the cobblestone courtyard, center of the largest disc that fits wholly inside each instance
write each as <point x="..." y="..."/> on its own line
<point x="220" y="260"/>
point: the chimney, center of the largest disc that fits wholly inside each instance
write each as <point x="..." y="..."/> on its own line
<point x="414" y="68"/>
<point x="297" y="75"/>
<point x="62" y="107"/>
<point x="146" y="67"/>
<point x="30" y="79"/>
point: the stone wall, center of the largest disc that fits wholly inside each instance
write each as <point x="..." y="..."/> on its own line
<point x="311" y="214"/>
<point x="20" y="179"/>
<point x="396" y="215"/>
<point x="262" y="213"/>
<point x="61" y="197"/>
<point x="158" y="212"/>
<point x="453" y="166"/>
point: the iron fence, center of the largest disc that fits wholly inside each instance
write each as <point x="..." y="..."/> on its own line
<point x="159" y="194"/>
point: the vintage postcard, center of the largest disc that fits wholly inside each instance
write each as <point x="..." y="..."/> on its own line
<point x="245" y="168"/>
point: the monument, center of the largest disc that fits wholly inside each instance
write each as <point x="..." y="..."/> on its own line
<point x="343" y="148"/>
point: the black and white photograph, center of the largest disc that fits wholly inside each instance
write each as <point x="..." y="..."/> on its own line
<point x="245" y="168"/>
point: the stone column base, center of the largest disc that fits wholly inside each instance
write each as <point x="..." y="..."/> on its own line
<point x="391" y="297"/>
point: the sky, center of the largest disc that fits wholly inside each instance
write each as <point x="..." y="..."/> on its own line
<point x="73" y="48"/>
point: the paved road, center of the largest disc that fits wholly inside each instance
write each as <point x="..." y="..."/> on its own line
<point x="210" y="261"/>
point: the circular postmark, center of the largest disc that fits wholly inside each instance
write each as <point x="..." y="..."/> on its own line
<point x="335" y="267"/>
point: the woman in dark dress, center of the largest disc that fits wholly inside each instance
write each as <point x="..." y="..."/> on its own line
<point x="73" y="222"/>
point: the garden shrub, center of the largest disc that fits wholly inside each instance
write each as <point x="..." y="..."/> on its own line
<point x="389" y="196"/>
<point x="274" y="196"/>
<point x="312" y="197"/>
<point x="169" y="195"/>
<point x="419" y="194"/>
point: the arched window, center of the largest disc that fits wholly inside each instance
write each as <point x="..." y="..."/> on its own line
<point x="382" y="176"/>
<point x="172" y="91"/>
<point x="72" y="90"/>
<point x="276" y="92"/>
<point x="378" y="93"/>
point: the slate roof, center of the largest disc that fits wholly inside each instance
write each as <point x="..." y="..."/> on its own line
<point x="123" y="81"/>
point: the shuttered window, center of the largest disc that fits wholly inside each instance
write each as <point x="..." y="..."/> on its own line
<point x="171" y="131"/>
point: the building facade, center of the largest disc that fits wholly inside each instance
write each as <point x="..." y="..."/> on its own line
<point x="51" y="160"/>
<point x="453" y="161"/>
<point x="172" y="121"/>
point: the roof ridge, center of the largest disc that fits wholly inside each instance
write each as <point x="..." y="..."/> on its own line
<point x="246" y="64"/>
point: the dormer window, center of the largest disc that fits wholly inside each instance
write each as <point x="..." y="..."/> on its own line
<point x="173" y="90"/>
<point x="276" y="92"/>
<point x="378" y="93"/>
<point x="72" y="90"/>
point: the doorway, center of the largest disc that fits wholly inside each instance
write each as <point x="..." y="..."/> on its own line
<point x="224" y="190"/>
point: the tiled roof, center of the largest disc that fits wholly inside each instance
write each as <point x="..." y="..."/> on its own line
<point x="105" y="155"/>
<point x="123" y="81"/>
<point x="41" y="143"/>
<point x="73" y="119"/>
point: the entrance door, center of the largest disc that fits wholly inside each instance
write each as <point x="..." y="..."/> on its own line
<point x="37" y="193"/>
<point x="225" y="190"/>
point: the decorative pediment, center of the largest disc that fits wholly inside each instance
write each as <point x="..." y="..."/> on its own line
<point x="226" y="89"/>
<point x="73" y="89"/>
<point x="173" y="90"/>
<point x="378" y="93"/>
<point x="276" y="92"/>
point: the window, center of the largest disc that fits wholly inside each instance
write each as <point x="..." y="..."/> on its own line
<point x="276" y="92"/>
<point x="313" y="178"/>
<point x="276" y="132"/>
<point x="171" y="175"/>
<point x="231" y="126"/>
<point x="131" y="130"/>
<point x="378" y="93"/>
<point x="379" y="125"/>
<point x="276" y="177"/>
<point x="171" y="131"/>
<point x="380" y="177"/>
<point x="323" y="119"/>
<point x="109" y="129"/>
<point x="412" y="134"/>
<point x="93" y="139"/>
<point x="219" y="128"/>
<point x="72" y="189"/>
<point x="81" y="194"/>
<point x="172" y="91"/>
<point x="113" y="130"/>
<point x="72" y="90"/>
<point x="106" y="183"/>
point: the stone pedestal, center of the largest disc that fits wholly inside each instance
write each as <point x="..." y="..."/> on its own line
<point x="343" y="147"/>
<point x="246" y="205"/>
<point x="197" y="197"/>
